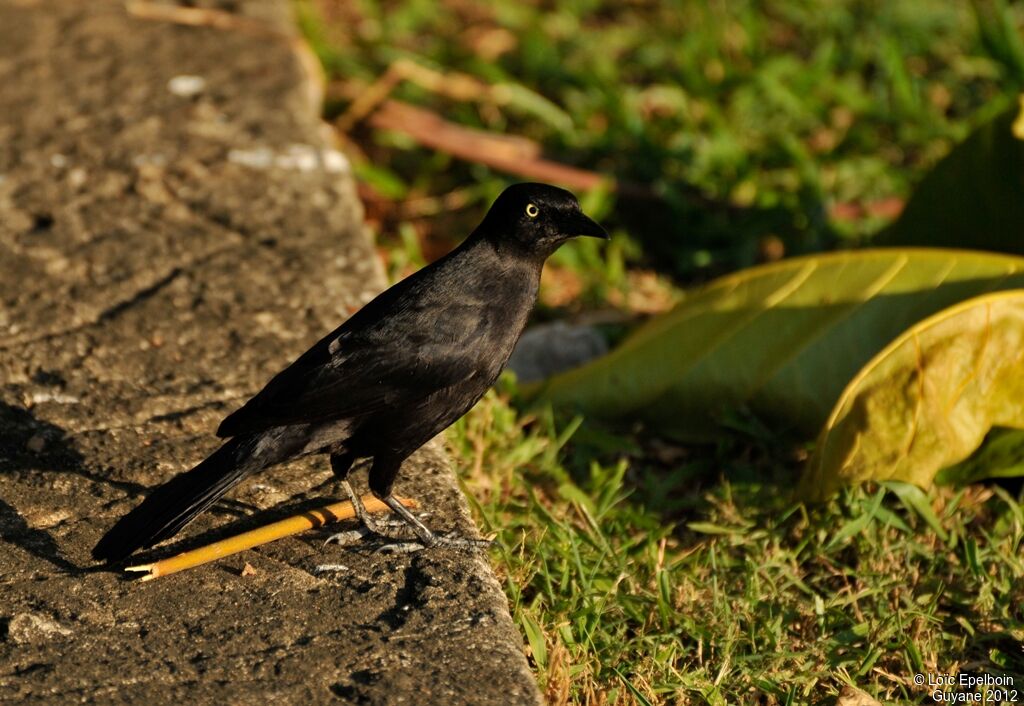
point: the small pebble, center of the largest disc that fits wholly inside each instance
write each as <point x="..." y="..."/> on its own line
<point x="297" y="157"/>
<point x="335" y="162"/>
<point x="77" y="177"/>
<point x="27" y="628"/>
<point x="258" y="158"/>
<point x="36" y="444"/>
<point x="552" y="348"/>
<point x="301" y="157"/>
<point x="186" y="86"/>
<point x="58" y="397"/>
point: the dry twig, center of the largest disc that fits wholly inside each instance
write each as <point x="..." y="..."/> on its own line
<point x="515" y="155"/>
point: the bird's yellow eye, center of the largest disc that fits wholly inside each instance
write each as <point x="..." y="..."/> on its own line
<point x="532" y="210"/>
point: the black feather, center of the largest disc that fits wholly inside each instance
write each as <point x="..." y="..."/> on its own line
<point x="176" y="503"/>
<point x="399" y="371"/>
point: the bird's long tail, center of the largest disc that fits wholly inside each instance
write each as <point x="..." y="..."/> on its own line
<point x="177" y="502"/>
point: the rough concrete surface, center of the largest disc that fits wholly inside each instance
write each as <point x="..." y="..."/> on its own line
<point x="174" y="228"/>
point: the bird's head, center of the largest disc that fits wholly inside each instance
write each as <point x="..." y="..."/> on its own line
<point x="537" y="218"/>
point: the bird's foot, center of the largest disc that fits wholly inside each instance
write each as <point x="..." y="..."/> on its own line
<point x="399" y="548"/>
<point x="397" y="544"/>
<point x="406" y="523"/>
<point x="331" y="568"/>
<point x="397" y="530"/>
<point x="344" y="539"/>
<point x="448" y="541"/>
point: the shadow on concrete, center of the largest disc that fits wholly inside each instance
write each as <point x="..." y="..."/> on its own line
<point x="247" y="517"/>
<point x="38" y="542"/>
<point x="240" y="525"/>
<point x="31" y="445"/>
<point x="28" y="444"/>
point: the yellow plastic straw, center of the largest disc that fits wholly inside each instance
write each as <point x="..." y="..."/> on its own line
<point x="261" y="535"/>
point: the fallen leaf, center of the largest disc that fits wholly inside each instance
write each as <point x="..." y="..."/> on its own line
<point x="782" y="340"/>
<point x="928" y="399"/>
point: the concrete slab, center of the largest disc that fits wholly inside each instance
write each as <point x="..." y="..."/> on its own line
<point x="174" y="228"/>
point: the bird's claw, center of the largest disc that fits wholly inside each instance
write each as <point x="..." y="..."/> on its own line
<point x="381" y="528"/>
<point x="399" y="548"/>
<point x="455" y="541"/>
<point x="447" y="541"/>
<point x="348" y="537"/>
<point x="329" y="568"/>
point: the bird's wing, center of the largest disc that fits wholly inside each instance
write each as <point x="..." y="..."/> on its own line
<point x="355" y="373"/>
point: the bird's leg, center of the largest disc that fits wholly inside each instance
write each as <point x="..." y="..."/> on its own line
<point x="341" y="464"/>
<point x="426" y="537"/>
<point x="381" y="527"/>
<point x="382" y="478"/>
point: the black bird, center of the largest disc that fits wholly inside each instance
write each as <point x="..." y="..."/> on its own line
<point x="400" y="370"/>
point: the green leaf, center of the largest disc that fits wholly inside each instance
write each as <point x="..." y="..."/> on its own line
<point x="998" y="29"/>
<point x="535" y="636"/>
<point x="781" y="340"/>
<point x="975" y="196"/>
<point x="381" y="179"/>
<point x="926" y="401"/>
<point x="712" y="528"/>
<point x="890" y="518"/>
<point x="857" y="524"/>
<point x="529" y="101"/>
<point x="915" y="500"/>
<point x="640" y="698"/>
<point x="971" y="554"/>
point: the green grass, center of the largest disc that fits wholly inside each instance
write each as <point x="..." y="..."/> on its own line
<point x="637" y="570"/>
<point x="667" y="576"/>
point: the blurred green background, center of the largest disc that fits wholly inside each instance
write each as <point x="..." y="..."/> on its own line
<point x="806" y="121"/>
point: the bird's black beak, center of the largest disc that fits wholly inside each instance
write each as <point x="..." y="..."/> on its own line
<point x="578" y="223"/>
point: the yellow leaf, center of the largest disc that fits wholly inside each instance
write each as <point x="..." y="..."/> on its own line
<point x="927" y="399"/>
